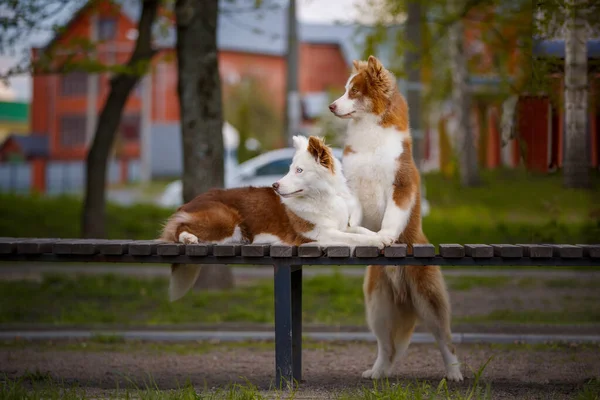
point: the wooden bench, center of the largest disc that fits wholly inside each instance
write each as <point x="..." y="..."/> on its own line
<point x="287" y="262"/>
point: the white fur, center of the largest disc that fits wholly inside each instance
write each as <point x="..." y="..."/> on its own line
<point x="371" y="170"/>
<point x="183" y="278"/>
<point x="266" y="238"/>
<point x="323" y="198"/>
<point x="345" y="105"/>
<point x="187" y="238"/>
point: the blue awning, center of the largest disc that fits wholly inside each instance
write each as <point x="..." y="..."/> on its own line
<point x="556" y="48"/>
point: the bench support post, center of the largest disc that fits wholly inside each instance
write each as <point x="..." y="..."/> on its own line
<point x="288" y="324"/>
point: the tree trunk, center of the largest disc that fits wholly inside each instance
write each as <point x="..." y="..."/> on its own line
<point x="577" y="154"/>
<point x="467" y="153"/>
<point x="199" y="89"/>
<point x="121" y="85"/>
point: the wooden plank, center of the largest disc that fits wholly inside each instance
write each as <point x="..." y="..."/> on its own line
<point x="198" y="250"/>
<point x="143" y="247"/>
<point x="114" y="247"/>
<point x="366" y="251"/>
<point x="255" y="250"/>
<point x="507" y="251"/>
<point x="170" y="249"/>
<point x="423" y="250"/>
<point x="35" y="246"/>
<point x="338" y="251"/>
<point x="227" y="250"/>
<point x="452" y="250"/>
<point x="590" y="250"/>
<point x="536" y="250"/>
<point x="63" y="246"/>
<point x="479" y="250"/>
<point x="567" y="251"/>
<point x="396" y="250"/>
<point x="8" y="245"/>
<point x="283" y="251"/>
<point x="309" y="250"/>
<point x="85" y="247"/>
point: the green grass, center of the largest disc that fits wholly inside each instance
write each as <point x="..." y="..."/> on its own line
<point x="512" y="206"/>
<point x="327" y="299"/>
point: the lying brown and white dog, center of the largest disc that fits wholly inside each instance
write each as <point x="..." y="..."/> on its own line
<point x="379" y="166"/>
<point x="312" y="203"/>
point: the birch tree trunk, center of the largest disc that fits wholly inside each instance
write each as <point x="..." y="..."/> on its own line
<point x="199" y="89"/>
<point x="461" y="98"/>
<point x="577" y="152"/>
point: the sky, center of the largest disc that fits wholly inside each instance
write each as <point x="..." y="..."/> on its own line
<point x="317" y="11"/>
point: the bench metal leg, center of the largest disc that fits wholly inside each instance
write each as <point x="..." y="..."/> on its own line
<point x="297" y="323"/>
<point x="288" y="328"/>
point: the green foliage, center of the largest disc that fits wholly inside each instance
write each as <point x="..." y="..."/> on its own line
<point x="248" y="108"/>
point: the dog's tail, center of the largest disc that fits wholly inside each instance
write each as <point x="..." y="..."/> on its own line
<point x="183" y="277"/>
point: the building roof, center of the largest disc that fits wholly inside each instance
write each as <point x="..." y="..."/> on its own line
<point x="262" y="30"/>
<point x="31" y="145"/>
<point x="14" y="112"/>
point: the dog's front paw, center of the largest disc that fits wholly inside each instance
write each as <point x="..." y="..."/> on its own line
<point x="188" y="238"/>
<point x="387" y="238"/>
<point x="453" y="374"/>
<point x="360" y="230"/>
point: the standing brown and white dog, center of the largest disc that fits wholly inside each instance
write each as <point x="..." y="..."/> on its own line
<point x="380" y="170"/>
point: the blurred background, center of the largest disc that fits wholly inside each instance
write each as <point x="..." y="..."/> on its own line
<point x="114" y="112"/>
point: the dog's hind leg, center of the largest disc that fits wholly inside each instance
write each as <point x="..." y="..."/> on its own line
<point x="382" y="320"/>
<point x="430" y="299"/>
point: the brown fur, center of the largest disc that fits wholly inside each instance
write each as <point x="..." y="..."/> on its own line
<point x="213" y="216"/>
<point x="321" y="152"/>
<point x="348" y="150"/>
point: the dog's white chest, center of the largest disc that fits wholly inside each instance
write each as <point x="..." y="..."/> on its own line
<point x="371" y="176"/>
<point x="370" y="169"/>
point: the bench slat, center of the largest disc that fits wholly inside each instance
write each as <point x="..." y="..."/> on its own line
<point x="567" y="251"/>
<point x="338" y="251"/>
<point x="198" y="250"/>
<point x="396" y="250"/>
<point x="170" y="249"/>
<point x="227" y="250"/>
<point x="309" y="250"/>
<point x="35" y="246"/>
<point x="86" y="247"/>
<point x="283" y="251"/>
<point x="536" y="250"/>
<point x="507" y="251"/>
<point x="366" y="251"/>
<point x="590" y="250"/>
<point x="114" y="247"/>
<point x="479" y="250"/>
<point x="423" y="250"/>
<point x="452" y="250"/>
<point x="143" y="247"/>
<point x="255" y="250"/>
<point x="8" y="245"/>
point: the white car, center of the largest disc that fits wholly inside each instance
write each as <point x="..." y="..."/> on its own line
<point x="259" y="171"/>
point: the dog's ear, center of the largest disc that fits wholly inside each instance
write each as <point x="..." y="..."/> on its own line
<point x="321" y="152"/>
<point x="355" y="66"/>
<point x="299" y="142"/>
<point x="374" y="67"/>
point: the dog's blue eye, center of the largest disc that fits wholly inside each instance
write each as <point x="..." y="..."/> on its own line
<point x="298" y="170"/>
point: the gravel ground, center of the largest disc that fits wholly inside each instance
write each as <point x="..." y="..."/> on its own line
<point x="515" y="372"/>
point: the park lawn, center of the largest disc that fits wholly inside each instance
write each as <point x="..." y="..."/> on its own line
<point x="512" y="206"/>
<point x="334" y="300"/>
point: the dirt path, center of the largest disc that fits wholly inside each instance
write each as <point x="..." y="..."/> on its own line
<point x="515" y="372"/>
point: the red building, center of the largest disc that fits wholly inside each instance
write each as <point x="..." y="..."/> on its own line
<point x="252" y="45"/>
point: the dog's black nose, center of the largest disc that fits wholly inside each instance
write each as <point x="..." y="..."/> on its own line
<point x="332" y="107"/>
<point x="276" y="185"/>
